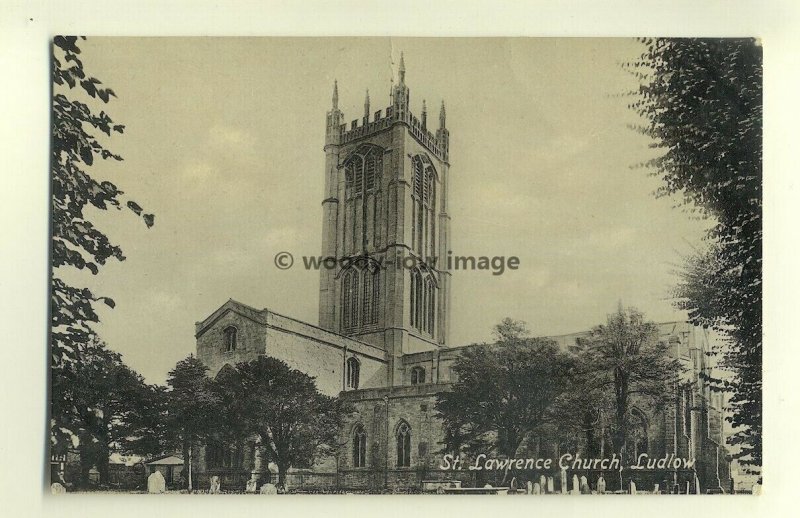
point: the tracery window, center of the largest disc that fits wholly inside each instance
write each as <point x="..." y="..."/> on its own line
<point x="423" y="194"/>
<point x="403" y="436"/>
<point x="353" y="373"/>
<point x="359" y="447"/>
<point x="362" y="171"/>
<point x="360" y="297"/>
<point x="423" y="301"/>
<point x="350" y="300"/>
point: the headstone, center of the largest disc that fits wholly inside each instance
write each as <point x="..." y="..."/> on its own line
<point x="530" y="487"/>
<point x="550" y="485"/>
<point x="542" y="482"/>
<point x="214" y="488"/>
<point x="269" y="489"/>
<point x="513" y="486"/>
<point x="696" y="485"/>
<point x="251" y="485"/>
<point x="575" y="485"/>
<point x="633" y="487"/>
<point x="57" y="489"/>
<point x="655" y="490"/>
<point x="601" y="485"/>
<point x="487" y="486"/>
<point x="537" y="489"/>
<point x="156" y="483"/>
<point x="585" y="486"/>
<point x="564" y="481"/>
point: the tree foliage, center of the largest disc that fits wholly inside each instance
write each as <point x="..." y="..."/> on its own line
<point x="619" y="363"/>
<point x="504" y="393"/>
<point x="193" y="407"/>
<point x="106" y="406"/>
<point x="283" y="408"/>
<point x="702" y="103"/>
<point x="76" y="358"/>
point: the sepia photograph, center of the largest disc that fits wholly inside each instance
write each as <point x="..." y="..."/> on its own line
<point x="405" y="265"/>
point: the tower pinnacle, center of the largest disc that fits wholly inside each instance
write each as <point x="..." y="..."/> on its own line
<point x="366" y="105"/>
<point x="335" y="95"/>
<point x="442" y="116"/>
<point x="402" y="69"/>
<point x="424" y="114"/>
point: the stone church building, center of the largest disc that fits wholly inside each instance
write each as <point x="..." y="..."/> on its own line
<point x="382" y="340"/>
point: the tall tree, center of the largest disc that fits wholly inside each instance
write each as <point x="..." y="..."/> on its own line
<point x="701" y="100"/>
<point x="619" y="361"/>
<point x="282" y="406"/>
<point x="504" y="392"/>
<point x="193" y="408"/>
<point x="110" y="408"/>
<point x="76" y="242"/>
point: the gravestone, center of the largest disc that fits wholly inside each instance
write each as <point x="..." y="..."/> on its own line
<point x="537" y="489"/>
<point x="269" y="489"/>
<point x="550" y="485"/>
<point x="542" y="483"/>
<point x="251" y="485"/>
<point x="57" y="489"/>
<point x="576" y="488"/>
<point x="585" y="490"/>
<point x="633" y="487"/>
<point x="530" y="487"/>
<point x="564" y="481"/>
<point x="156" y="483"/>
<point x="512" y="489"/>
<point x="214" y="488"/>
<point x="601" y="485"/>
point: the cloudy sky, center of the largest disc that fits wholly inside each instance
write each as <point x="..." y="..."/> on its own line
<point x="224" y="141"/>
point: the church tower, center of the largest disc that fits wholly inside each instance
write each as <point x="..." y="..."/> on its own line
<point x="385" y="221"/>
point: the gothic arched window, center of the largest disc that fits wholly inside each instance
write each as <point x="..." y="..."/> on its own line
<point x="417" y="375"/>
<point x="362" y="173"/>
<point x="429" y="305"/>
<point x="359" y="447"/>
<point x="403" y="436"/>
<point x="350" y="300"/>
<point x="371" y="295"/>
<point x="423" y="301"/>
<point x="423" y="193"/>
<point x="353" y="372"/>
<point x="229" y="337"/>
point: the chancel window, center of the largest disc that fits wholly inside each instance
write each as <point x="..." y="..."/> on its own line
<point x="417" y="375"/>
<point x="403" y="445"/>
<point x="353" y="373"/>
<point x="359" y="447"/>
<point x="229" y="336"/>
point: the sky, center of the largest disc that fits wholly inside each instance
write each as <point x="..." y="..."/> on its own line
<point x="223" y="143"/>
